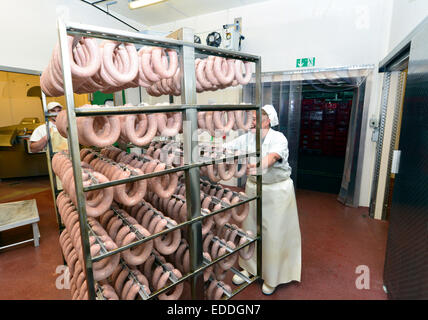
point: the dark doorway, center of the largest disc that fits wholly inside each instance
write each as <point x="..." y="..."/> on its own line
<point x="323" y="137"/>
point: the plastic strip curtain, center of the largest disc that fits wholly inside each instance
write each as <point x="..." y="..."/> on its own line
<point x="283" y="90"/>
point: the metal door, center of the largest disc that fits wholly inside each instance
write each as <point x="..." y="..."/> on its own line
<point x="406" y="261"/>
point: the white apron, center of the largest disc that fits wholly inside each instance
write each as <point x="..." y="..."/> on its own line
<point x="281" y="240"/>
<point x="59" y="143"/>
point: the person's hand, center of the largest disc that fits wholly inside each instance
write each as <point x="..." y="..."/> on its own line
<point x="251" y="169"/>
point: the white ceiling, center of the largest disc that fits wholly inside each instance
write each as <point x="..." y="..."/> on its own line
<point x="172" y="10"/>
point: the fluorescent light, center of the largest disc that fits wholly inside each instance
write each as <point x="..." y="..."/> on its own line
<point x="142" y="3"/>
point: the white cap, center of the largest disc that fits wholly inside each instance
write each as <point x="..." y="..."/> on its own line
<point x="53" y="104"/>
<point x="271" y="112"/>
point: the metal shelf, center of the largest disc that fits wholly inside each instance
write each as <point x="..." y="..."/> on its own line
<point x="103" y="111"/>
<point x="144" y="39"/>
<point x="189" y="108"/>
<point x="166" y="171"/>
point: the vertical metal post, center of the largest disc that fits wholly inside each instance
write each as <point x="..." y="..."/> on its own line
<point x="49" y="155"/>
<point x="74" y="151"/>
<point x="188" y="97"/>
<point x="258" y="91"/>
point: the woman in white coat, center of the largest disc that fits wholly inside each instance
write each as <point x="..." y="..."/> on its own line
<point x="281" y="241"/>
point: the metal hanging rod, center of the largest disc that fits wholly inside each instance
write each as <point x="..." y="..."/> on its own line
<point x="172" y="277"/>
<point x="105" y="111"/>
<point x="166" y="171"/>
<point x="142" y="292"/>
<point x="219" y="285"/>
<point x="240" y="233"/>
<point x="218" y="187"/>
<point x="135" y="37"/>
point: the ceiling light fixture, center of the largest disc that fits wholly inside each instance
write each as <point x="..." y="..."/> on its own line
<point x="142" y="3"/>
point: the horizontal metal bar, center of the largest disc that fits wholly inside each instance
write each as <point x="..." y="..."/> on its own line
<point x="219" y="285"/>
<point x="135" y="178"/>
<point x="98" y="111"/>
<point x="228" y="207"/>
<point x="219" y="187"/>
<point x="138" y="242"/>
<point x="243" y="286"/>
<point x="160" y="173"/>
<point x="207" y="265"/>
<point x="151" y="40"/>
<point x="240" y="233"/>
<point x="172" y="276"/>
<point x="17" y="243"/>
<point x="143" y="294"/>
<point x="97" y="239"/>
<point x="226" y="107"/>
<point x="20" y="70"/>
<point x="183" y="224"/>
<point x="240" y="274"/>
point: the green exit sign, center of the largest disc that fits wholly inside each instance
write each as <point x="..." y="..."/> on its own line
<point x="305" y="62"/>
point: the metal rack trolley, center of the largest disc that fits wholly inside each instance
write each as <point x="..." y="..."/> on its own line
<point x="181" y="40"/>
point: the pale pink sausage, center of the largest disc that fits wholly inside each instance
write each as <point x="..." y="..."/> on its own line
<point x="201" y="120"/>
<point x="157" y="273"/>
<point x="222" y="77"/>
<point x="148" y="267"/>
<point x="241" y="212"/>
<point x="178" y="257"/>
<point x="217" y="118"/>
<point x="141" y="140"/>
<point x="156" y="184"/>
<point x="239" y="117"/>
<point x="173" y="130"/>
<point x="249" y="253"/>
<point x="207" y="242"/>
<point x="104" y="205"/>
<point x="130" y="69"/>
<point x="141" y="78"/>
<point x="146" y="60"/>
<point x="208" y="271"/>
<point x="239" y="173"/>
<point x="213" y="288"/>
<point x="147" y="246"/>
<point x="209" y="123"/>
<point x="211" y="175"/>
<point x="170" y="243"/>
<point x="221" y="218"/>
<point x="228" y="262"/>
<point x="111" y="265"/>
<point x="209" y="72"/>
<point x="238" y="74"/>
<point x="93" y="62"/>
<point x="109" y="293"/>
<point x="200" y="75"/>
<point x="159" y="66"/>
<point x="222" y="170"/>
<point x="175" y="292"/>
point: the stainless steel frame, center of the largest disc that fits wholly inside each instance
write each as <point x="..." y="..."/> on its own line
<point x="189" y="107"/>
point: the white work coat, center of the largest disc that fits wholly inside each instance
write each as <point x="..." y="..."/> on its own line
<point x="58" y="142"/>
<point x="281" y="241"/>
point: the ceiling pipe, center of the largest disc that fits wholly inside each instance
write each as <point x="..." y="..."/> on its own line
<point x="108" y="13"/>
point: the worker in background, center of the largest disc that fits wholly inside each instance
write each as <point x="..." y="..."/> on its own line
<point x="39" y="138"/>
<point x="281" y="241"/>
